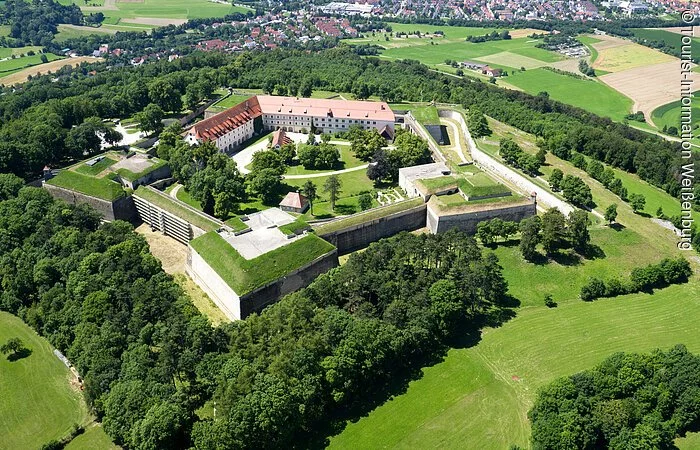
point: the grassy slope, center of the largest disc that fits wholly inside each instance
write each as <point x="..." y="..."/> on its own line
<point x="65" y="33"/>
<point x="37" y="403"/>
<point x="170" y="205"/>
<point x="587" y="94"/>
<point x="94" y="438"/>
<point x="472" y="396"/>
<point x="670" y="113"/>
<point x="471" y="399"/>
<point x="97" y="187"/>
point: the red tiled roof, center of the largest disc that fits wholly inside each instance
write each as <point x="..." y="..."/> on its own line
<point x="227" y="121"/>
<point x="294" y="200"/>
<point x="316" y="107"/>
<point x="280" y="138"/>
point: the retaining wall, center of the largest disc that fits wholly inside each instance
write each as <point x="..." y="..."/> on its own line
<point x="418" y="129"/>
<point x="120" y="209"/>
<point x="164" y="221"/>
<point x="360" y="236"/>
<point x="439" y="222"/>
<point x="239" y="307"/>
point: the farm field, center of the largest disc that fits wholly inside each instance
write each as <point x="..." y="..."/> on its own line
<point x="154" y="13"/>
<point x="20" y="75"/>
<point x="671" y="38"/>
<point x="37" y="402"/>
<point x="482" y="394"/>
<point x="617" y="55"/>
<point x="66" y="32"/>
<point x="6" y="52"/>
<point x="670" y="114"/>
<point x="587" y="94"/>
<point x="10" y="66"/>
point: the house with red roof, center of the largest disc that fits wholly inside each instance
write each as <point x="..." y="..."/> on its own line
<point x="294" y="202"/>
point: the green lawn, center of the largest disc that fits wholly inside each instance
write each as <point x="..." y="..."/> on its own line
<point x="131" y="176"/>
<point x="590" y="95"/>
<point x="670" y="38"/>
<point x="94" y="438"/>
<point x="164" y="9"/>
<point x="478" y="397"/>
<point x="245" y="275"/>
<point x="37" y="402"/>
<point x="65" y="32"/>
<point x="238" y="96"/>
<point x="347" y="161"/>
<point x="167" y="203"/>
<point x="425" y="114"/>
<point x="670" y="114"/>
<point x="95" y="169"/>
<point x="7" y="51"/>
<point x="103" y="188"/>
<point x="368" y="216"/>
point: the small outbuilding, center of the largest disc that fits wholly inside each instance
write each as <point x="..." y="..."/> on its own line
<point x="294" y="202"/>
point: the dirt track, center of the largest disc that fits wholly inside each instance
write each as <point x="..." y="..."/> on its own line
<point x="154" y="21"/>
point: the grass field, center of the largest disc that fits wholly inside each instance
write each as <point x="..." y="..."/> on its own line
<point x="670" y="114"/>
<point x="95" y="169"/>
<point x="154" y="13"/>
<point x="66" y="32"/>
<point x="10" y="66"/>
<point x="424" y="113"/>
<point x="347" y="161"/>
<point x="168" y="204"/>
<point x="6" y="52"/>
<point x="94" y="438"/>
<point x="670" y="38"/>
<point x="37" y="402"/>
<point x="590" y="95"/>
<point x="479" y="396"/>
<point x="103" y="188"/>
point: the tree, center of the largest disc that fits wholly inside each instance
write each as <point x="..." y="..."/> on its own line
<point x="150" y="120"/>
<point x="268" y="159"/>
<point x="530" y="237"/>
<point x="611" y="213"/>
<point x="380" y="167"/>
<point x="476" y="122"/>
<point x="308" y="190"/>
<point x="13" y="347"/>
<point x="9" y="186"/>
<point x="265" y="183"/>
<point x="553" y="230"/>
<point x="162" y="92"/>
<point x="576" y="191"/>
<point x="484" y="233"/>
<point x="637" y="202"/>
<point x="332" y="187"/>
<point x="577" y="228"/>
<point x="555" y="179"/>
<point x="365" y="201"/>
<point x="287" y="152"/>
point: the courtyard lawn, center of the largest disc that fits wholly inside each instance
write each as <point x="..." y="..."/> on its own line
<point x="479" y="396"/>
<point x="235" y="98"/>
<point x="102" y="188"/>
<point x="590" y="95"/>
<point x="37" y="402"/>
<point x="245" y="275"/>
<point x="347" y="161"/>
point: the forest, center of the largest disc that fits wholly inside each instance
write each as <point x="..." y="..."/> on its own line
<point x="628" y="401"/>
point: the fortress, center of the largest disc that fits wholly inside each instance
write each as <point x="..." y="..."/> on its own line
<point x="231" y="128"/>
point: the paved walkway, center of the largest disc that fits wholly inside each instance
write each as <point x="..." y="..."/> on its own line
<point x="457" y="145"/>
<point x="173" y="193"/>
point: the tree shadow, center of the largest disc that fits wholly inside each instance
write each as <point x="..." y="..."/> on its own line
<point x="643" y="214"/>
<point x="538" y="259"/>
<point x="568" y="258"/>
<point x="20" y="354"/>
<point x="593" y="251"/>
<point x="617" y="226"/>
<point x="345" y="209"/>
